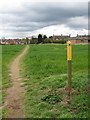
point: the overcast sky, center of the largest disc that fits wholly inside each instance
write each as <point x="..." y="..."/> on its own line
<point x="23" y="18"/>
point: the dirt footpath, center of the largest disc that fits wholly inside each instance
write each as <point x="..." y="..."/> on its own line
<point x="14" y="100"/>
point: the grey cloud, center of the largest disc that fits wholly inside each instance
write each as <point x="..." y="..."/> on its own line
<point x="44" y="14"/>
<point x="56" y="12"/>
<point x="76" y="26"/>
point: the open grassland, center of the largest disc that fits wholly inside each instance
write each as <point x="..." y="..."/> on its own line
<point x="45" y="67"/>
<point x="9" y="52"/>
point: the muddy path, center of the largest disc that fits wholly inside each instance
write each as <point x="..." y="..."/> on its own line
<point x="14" y="101"/>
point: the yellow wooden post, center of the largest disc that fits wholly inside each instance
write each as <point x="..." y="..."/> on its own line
<point x="69" y="51"/>
<point x="69" y="63"/>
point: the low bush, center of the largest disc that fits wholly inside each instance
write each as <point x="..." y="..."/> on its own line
<point x="59" y="41"/>
<point x="47" y="40"/>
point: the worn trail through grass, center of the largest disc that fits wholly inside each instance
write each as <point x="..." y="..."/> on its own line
<point x="14" y="100"/>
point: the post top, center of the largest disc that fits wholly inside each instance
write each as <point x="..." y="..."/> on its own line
<point x="69" y="43"/>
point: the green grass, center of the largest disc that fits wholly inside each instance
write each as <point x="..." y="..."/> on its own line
<point x="45" y="67"/>
<point x="0" y="78"/>
<point x="0" y="67"/>
<point x="9" y="52"/>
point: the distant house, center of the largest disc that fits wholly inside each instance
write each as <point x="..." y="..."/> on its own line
<point x="12" y="41"/>
<point x="33" y="40"/>
<point x="60" y="37"/>
<point x="79" y="39"/>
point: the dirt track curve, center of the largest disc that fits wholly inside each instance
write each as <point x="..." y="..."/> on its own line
<point x="14" y="100"/>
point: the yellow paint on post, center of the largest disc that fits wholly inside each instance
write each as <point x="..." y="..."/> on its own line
<point x="69" y="51"/>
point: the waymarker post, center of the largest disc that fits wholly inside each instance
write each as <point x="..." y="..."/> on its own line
<point x="69" y="64"/>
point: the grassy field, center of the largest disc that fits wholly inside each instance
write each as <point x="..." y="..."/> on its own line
<point x="9" y="52"/>
<point x="0" y="78"/>
<point x="0" y="67"/>
<point x="45" y="67"/>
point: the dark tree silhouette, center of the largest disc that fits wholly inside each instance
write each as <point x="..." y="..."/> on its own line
<point x="40" y="39"/>
<point x="44" y="37"/>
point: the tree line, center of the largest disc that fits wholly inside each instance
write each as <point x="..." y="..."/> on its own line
<point x="43" y="39"/>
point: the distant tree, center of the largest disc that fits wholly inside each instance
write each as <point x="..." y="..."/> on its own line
<point x="47" y="40"/>
<point x="50" y="36"/>
<point x="44" y="37"/>
<point x="40" y="38"/>
<point x="27" y="40"/>
<point x="23" y="39"/>
<point x="34" y="40"/>
<point x="32" y="37"/>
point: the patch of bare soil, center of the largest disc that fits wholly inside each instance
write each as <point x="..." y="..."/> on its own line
<point x="14" y="101"/>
